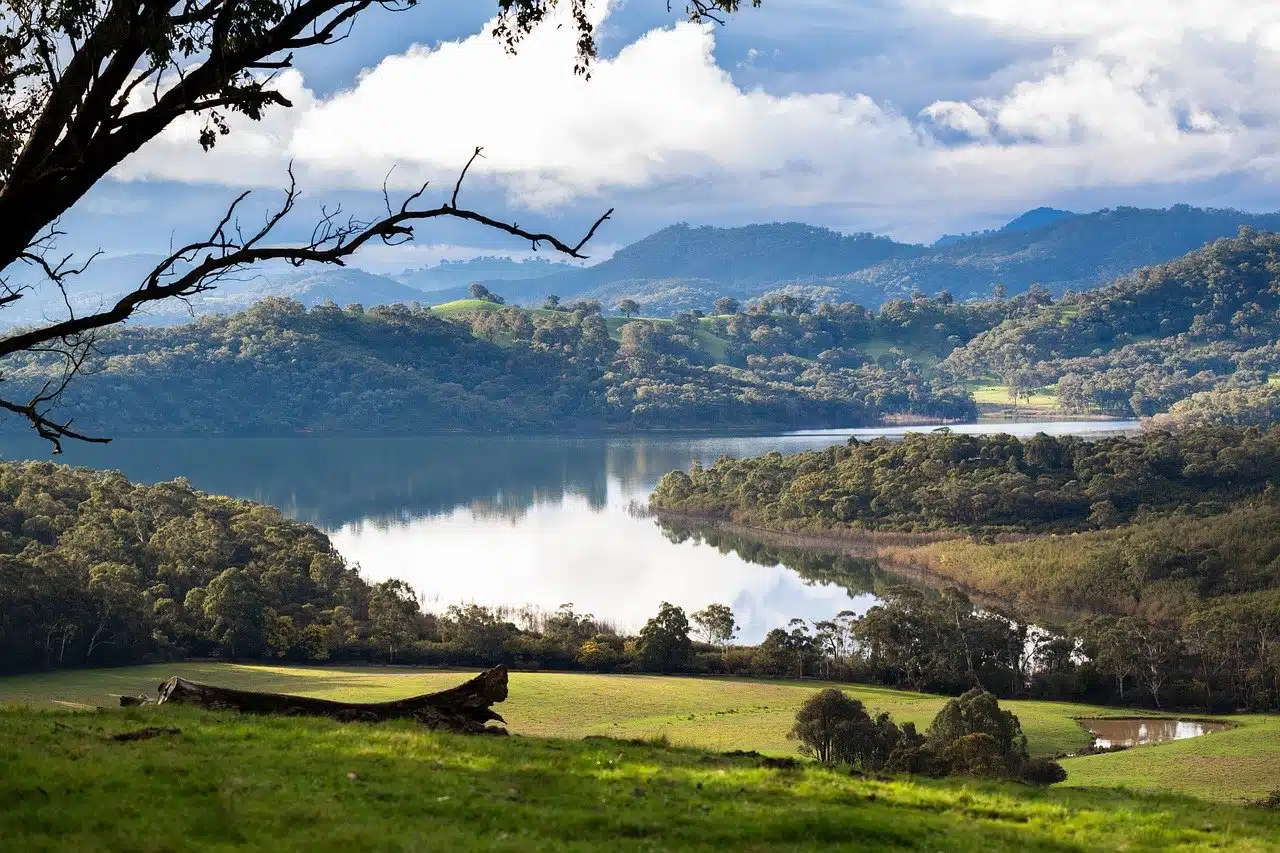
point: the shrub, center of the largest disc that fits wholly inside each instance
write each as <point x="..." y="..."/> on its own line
<point x="977" y="754"/>
<point x="1271" y="802"/>
<point x="978" y="712"/>
<point x="597" y="656"/>
<point x="837" y="729"/>
<point x="826" y="725"/>
<point x="974" y="736"/>
<point x="1042" y="771"/>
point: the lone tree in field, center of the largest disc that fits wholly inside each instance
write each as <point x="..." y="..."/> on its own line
<point x="974" y="735"/>
<point x="85" y="84"/>
<point x="628" y="308"/>
<point x="716" y="625"/>
<point x="478" y="291"/>
<point x="725" y="305"/>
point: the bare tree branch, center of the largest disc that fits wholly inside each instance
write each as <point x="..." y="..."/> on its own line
<point x="82" y="92"/>
<point x="226" y="250"/>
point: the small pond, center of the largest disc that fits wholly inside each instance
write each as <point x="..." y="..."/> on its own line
<point x="1113" y="733"/>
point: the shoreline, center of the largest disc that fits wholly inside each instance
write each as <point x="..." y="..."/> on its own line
<point x="871" y="544"/>
<point x="889" y="423"/>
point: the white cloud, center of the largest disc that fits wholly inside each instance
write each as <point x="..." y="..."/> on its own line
<point x="958" y="116"/>
<point x="1129" y="93"/>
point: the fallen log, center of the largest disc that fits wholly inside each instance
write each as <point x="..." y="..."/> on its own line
<point x="464" y="708"/>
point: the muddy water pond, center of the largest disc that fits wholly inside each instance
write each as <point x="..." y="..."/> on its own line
<point x="1113" y="733"/>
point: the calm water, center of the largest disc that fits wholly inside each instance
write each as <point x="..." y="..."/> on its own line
<point x="1109" y="733"/>
<point x="536" y="521"/>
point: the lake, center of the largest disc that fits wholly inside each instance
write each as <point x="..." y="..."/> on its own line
<point x="518" y="521"/>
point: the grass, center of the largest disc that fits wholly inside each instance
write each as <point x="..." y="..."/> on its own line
<point x="710" y="713"/>
<point x="226" y="782"/>
<point x="464" y="307"/>
<point x="1239" y="763"/>
<point x="991" y="394"/>
<point x="714" y="713"/>
<point x="923" y="355"/>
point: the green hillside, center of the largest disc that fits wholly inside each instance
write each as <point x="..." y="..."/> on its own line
<point x="712" y="713"/>
<point x="226" y="783"/>
<point x="709" y="713"/>
<point x="587" y="769"/>
<point x="1204" y="322"/>
<point x="469" y="366"/>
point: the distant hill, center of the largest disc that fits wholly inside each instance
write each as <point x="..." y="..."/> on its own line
<point x="109" y="278"/>
<point x="1026" y="222"/>
<point x="683" y="267"/>
<point x="459" y="274"/>
<point x="1035" y="219"/>
<point x="1065" y="253"/>
<point x="340" y="285"/>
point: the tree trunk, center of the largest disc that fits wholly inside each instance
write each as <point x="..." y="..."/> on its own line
<point x="464" y="708"/>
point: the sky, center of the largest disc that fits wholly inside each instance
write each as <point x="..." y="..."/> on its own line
<point x="911" y="118"/>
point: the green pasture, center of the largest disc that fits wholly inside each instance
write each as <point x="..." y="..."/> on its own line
<point x="708" y="713"/>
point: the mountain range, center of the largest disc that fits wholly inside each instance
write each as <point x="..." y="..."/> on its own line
<point x="683" y="267"/>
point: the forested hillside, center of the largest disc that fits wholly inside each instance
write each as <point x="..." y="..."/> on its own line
<point x="685" y="268"/>
<point x="982" y="484"/>
<point x="1255" y="406"/>
<point x="279" y="368"/>
<point x="97" y="570"/>
<point x="1206" y="321"/>
<point x="1168" y="543"/>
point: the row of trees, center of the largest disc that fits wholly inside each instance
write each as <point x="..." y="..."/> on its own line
<point x="846" y="333"/>
<point x="1225" y="655"/>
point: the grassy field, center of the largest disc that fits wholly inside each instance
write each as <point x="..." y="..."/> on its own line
<point x="463" y="307"/>
<point x="714" y="713"/>
<point x="1242" y="762"/>
<point x="223" y="782"/>
<point x="994" y="395"/>
<point x="710" y="713"/>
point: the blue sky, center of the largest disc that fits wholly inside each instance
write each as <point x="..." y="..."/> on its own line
<point x="906" y="117"/>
